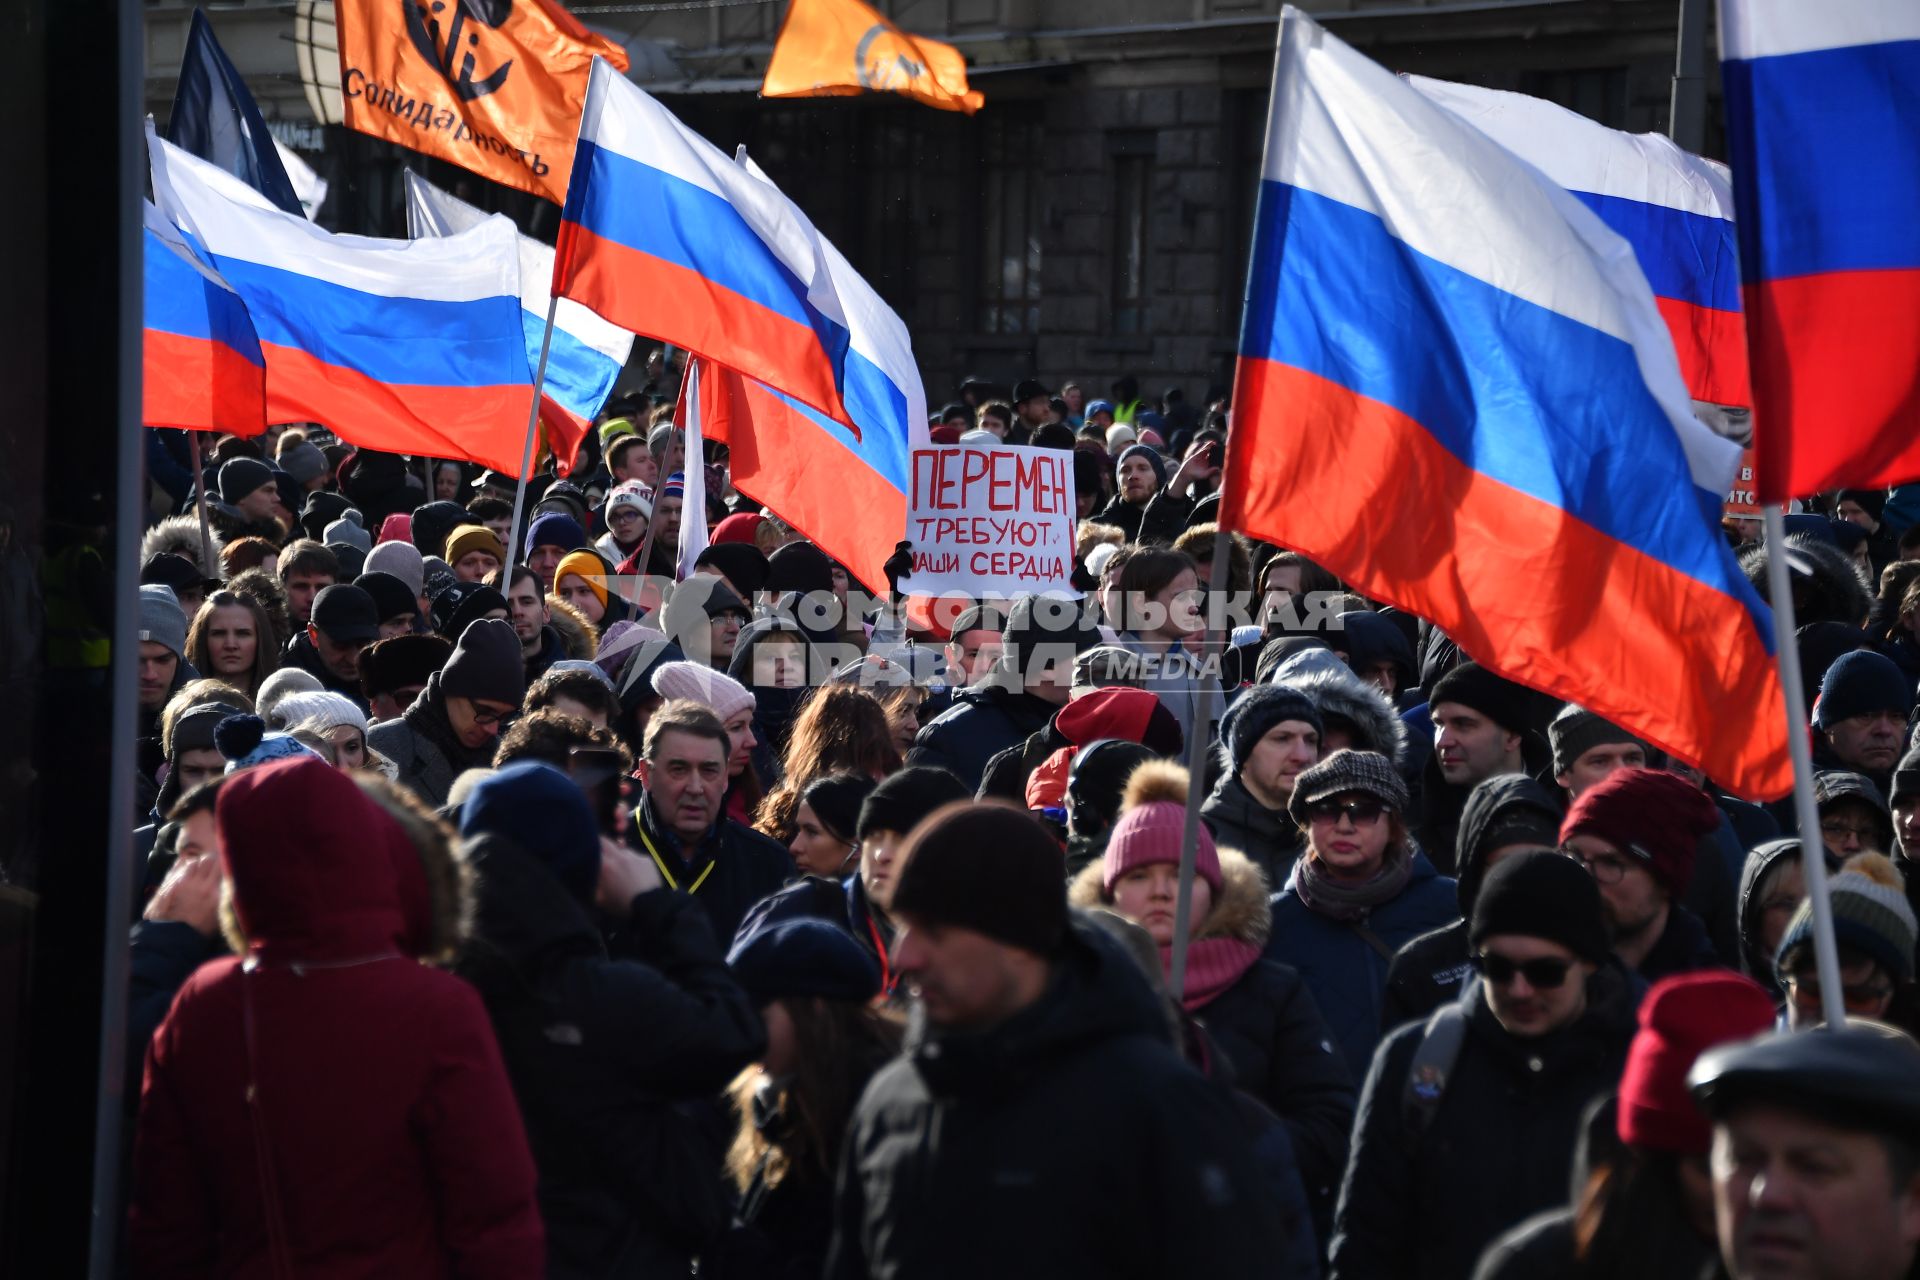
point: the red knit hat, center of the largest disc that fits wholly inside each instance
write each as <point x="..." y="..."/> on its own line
<point x="1680" y="1019"/>
<point x="1152" y="824"/>
<point x="741" y="526"/>
<point x="1650" y="815"/>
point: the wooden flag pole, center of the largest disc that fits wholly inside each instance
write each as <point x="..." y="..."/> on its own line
<point x="208" y="569"/>
<point x="514" y="554"/>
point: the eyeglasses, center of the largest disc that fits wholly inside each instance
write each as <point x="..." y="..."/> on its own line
<point x="1362" y="813"/>
<point x="1835" y="829"/>
<point x="488" y="719"/>
<point x="1543" y="974"/>
<point x="1605" y="868"/>
<point x="1857" y="997"/>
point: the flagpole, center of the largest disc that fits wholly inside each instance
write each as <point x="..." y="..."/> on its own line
<point x="1687" y="115"/>
<point x="1813" y="858"/>
<point x="1197" y="739"/>
<point x="207" y="566"/>
<point x="514" y="553"/>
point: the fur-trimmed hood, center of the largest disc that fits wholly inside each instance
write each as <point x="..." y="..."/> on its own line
<point x="1343" y="694"/>
<point x="1827" y="585"/>
<point x="577" y="635"/>
<point x="1241" y="909"/>
<point x="180" y="536"/>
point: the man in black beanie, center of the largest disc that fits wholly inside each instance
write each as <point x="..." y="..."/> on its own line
<point x="452" y="726"/>
<point x="1268" y="738"/>
<point x="1505" y="1073"/>
<point x="887" y="817"/>
<point x="1479" y="730"/>
<point x="247" y="485"/>
<point x="1038" y="1066"/>
<point x="344" y="621"/>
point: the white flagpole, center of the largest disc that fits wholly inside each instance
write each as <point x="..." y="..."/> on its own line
<point x="1813" y="854"/>
<point x="514" y="554"/>
<point x="693" y="501"/>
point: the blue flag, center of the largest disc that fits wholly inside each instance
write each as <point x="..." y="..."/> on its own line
<point x="215" y="118"/>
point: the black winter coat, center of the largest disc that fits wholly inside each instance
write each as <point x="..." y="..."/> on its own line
<point x="161" y="956"/>
<point x="300" y="652"/>
<point x="614" y="1047"/>
<point x="747" y="866"/>
<point x="1541" y="1248"/>
<point x="1499" y="1145"/>
<point x="1683" y="947"/>
<point x="1268" y="836"/>
<point x="983" y="721"/>
<point x="1070" y="1140"/>
<point x="1425" y="974"/>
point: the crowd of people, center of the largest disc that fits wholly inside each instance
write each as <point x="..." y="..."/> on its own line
<point x="520" y="910"/>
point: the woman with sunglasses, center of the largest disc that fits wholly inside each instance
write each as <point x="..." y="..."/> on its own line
<point x="1359" y="893"/>
<point x="1469" y="1121"/>
<point x="1258" y="1014"/>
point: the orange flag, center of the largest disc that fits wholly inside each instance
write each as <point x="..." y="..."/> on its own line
<point x="495" y="86"/>
<point x="833" y="48"/>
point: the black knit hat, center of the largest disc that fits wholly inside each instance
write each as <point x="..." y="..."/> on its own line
<point x="391" y="597"/>
<point x="903" y="799"/>
<point x="433" y="522"/>
<point x="1542" y="895"/>
<point x="1472" y="685"/>
<point x="986" y="867"/>
<point x="487" y="664"/>
<point x="321" y="509"/>
<point x="837" y="800"/>
<point x="1871" y="501"/>
<point x="242" y="476"/>
<point x="1255" y="712"/>
<point x="401" y="662"/>
<point x="1576" y="731"/>
<point x="460" y="603"/>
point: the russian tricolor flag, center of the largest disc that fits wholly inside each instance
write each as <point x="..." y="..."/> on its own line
<point x="202" y="367"/>
<point x="586" y="354"/>
<point x="1673" y="207"/>
<point x="1455" y="391"/>
<point x="1823" y="127"/>
<point x="845" y="489"/>
<point x="664" y="235"/>
<point x="408" y="346"/>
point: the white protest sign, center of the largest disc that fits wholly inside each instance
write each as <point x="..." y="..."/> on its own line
<point x="991" y="521"/>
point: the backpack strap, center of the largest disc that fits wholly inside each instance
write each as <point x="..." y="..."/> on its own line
<point x="1373" y="940"/>
<point x="1432" y="1067"/>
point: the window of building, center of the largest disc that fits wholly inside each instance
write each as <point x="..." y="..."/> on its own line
<point x="1011" y="212"/>
<point x="1132" y="155"/>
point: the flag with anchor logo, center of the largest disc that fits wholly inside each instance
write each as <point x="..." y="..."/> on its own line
<point x="832" y="48"/>
<point x="494" y="86"/>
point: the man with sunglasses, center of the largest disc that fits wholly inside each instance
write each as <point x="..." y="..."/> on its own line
<point x="1452" y="1149"/>
<point x="452" y="726"/>
<point x="1638" y="832"/>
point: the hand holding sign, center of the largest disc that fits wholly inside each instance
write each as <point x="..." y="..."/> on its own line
<point x="996" y="521"/>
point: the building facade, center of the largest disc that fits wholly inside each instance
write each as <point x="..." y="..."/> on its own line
<point x="1092" y="221"/>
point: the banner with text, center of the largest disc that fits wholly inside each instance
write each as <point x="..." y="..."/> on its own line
<point x="993" y="521"/>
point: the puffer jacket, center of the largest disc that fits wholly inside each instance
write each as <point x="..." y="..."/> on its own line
<point x="983" y="721"/>
<point x="613" y="1047"/>
<point x="1346" y="971"/>
<point x="1268" y="836"/>
<point x="1073" y="1128"/>
<point x="1498" y="1147"/>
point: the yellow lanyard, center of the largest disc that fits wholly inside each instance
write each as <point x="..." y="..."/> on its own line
<point x="661" y="863"/>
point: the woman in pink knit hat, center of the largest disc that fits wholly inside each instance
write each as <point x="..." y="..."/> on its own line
<point x="1257" y="1013"/>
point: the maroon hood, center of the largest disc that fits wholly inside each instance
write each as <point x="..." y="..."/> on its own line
<point x="320" y="872"/>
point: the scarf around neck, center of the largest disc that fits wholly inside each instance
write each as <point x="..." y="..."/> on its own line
<point x="1213" y="965"/>
<point x="1344" y="900"/>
